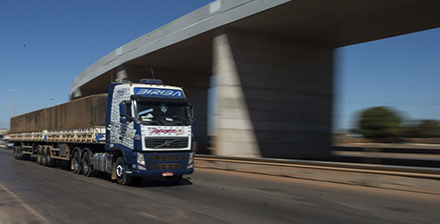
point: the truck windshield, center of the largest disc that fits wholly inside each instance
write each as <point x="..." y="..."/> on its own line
<point x="163" y="113"/>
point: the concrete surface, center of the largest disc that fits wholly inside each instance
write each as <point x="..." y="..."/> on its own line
<point x="274" y="97"/>
<point x="393" y="180"/>
<point x="30" y="193"/>
<point x="184" y="45"/>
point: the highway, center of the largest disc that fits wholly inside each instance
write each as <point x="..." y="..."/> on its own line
<point x="30" y="193"/>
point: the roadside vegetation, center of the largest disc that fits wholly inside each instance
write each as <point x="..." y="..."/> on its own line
<point x="386" y="125"/>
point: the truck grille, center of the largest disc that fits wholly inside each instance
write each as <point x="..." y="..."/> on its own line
<point x="166" y="162"/>
<point x="161" y="158"/>
<point x="166" y="143"/>
<point x="167" y="166"/>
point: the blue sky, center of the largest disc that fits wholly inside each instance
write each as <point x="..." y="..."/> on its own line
<point x="45" y="44"/>
<point x="401" y="72"/>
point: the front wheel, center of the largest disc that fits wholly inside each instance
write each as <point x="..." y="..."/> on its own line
<point x="121" y="175"/>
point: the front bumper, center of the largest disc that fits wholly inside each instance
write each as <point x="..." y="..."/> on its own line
<point x="158" y="173"/>
<point x="156" y="164"/>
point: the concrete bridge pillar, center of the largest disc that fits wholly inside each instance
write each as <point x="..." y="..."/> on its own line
<point x="274" y="97"/>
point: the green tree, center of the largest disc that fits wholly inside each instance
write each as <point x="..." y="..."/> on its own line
<point x="428" y="129"/>
<point x="380" y="123"/>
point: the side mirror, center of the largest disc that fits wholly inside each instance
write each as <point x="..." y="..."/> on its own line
<point x="124" y="112"/>
<point x="193" y="114"/>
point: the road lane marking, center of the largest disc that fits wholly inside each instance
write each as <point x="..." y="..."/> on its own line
<point x="37" y="215"/>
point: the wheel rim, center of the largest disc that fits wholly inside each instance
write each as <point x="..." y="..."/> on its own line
<point x="119" y="171"/>
<point x="43" y="158"/>
<point x="86" y="166"/>
<point x="76" y="163"/>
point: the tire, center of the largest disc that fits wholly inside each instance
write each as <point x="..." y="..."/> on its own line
<point x="43" y="157"/>
<point x="39" y="155"/>
<point x="15" y="152"/>
<point x="50" y="161"/>
<point x="121" y="176"/>
<point x="19" y="153"/>
<point x="76" y="163"/>
<point x="174" y="180"/>
<point x="87" y="169"/>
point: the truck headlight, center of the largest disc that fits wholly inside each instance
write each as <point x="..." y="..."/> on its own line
<point x="141" y="159"/>
<point x="191" y="161"/>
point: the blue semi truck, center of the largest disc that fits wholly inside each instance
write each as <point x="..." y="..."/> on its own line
<point x="135" y="130"/>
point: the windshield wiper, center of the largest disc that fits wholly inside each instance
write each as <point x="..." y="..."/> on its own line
<point x="181" y="121"/>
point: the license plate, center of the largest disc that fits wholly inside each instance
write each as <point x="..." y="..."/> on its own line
<point x="167" y="174"/>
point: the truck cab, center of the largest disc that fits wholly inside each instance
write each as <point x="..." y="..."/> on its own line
<point x="149" y="125"/>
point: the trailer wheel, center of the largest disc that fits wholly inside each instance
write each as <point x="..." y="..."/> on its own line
<point x="18" y="152"/>
<point x="50" y="161"/>
<point x="88" y="171"/>
<point x="15" y="152"/>
<point x="76" y="164"/>
<point x="39" y="155"/>
<point x="174" y="180"/>
<point x="121" y="176"/>
<point x="43" y="156"/>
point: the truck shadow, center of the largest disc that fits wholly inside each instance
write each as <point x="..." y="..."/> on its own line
<point x="137" y="182"/>
<point x="145" y="182"/>
<point x="158" y="182"/>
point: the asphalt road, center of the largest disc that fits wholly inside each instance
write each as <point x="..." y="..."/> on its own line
<point x="30" y="193"/>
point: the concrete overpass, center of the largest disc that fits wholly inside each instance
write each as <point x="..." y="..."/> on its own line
<point x="268" y="64"/>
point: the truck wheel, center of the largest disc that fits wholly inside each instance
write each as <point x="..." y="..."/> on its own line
<point x="121" y="176"/>
<point x="19" y="152"/>
<point x="174" y="180"/>
<point x="76" y="164"/>
<point x="88" y="171"/>
<point x="43" y="157"/>
<point x="15" y="152"/>
<point x="50" y="161"/>
<point x="39" y="155"/>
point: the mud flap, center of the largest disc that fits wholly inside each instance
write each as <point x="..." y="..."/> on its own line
<point x="113" y="171"/>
